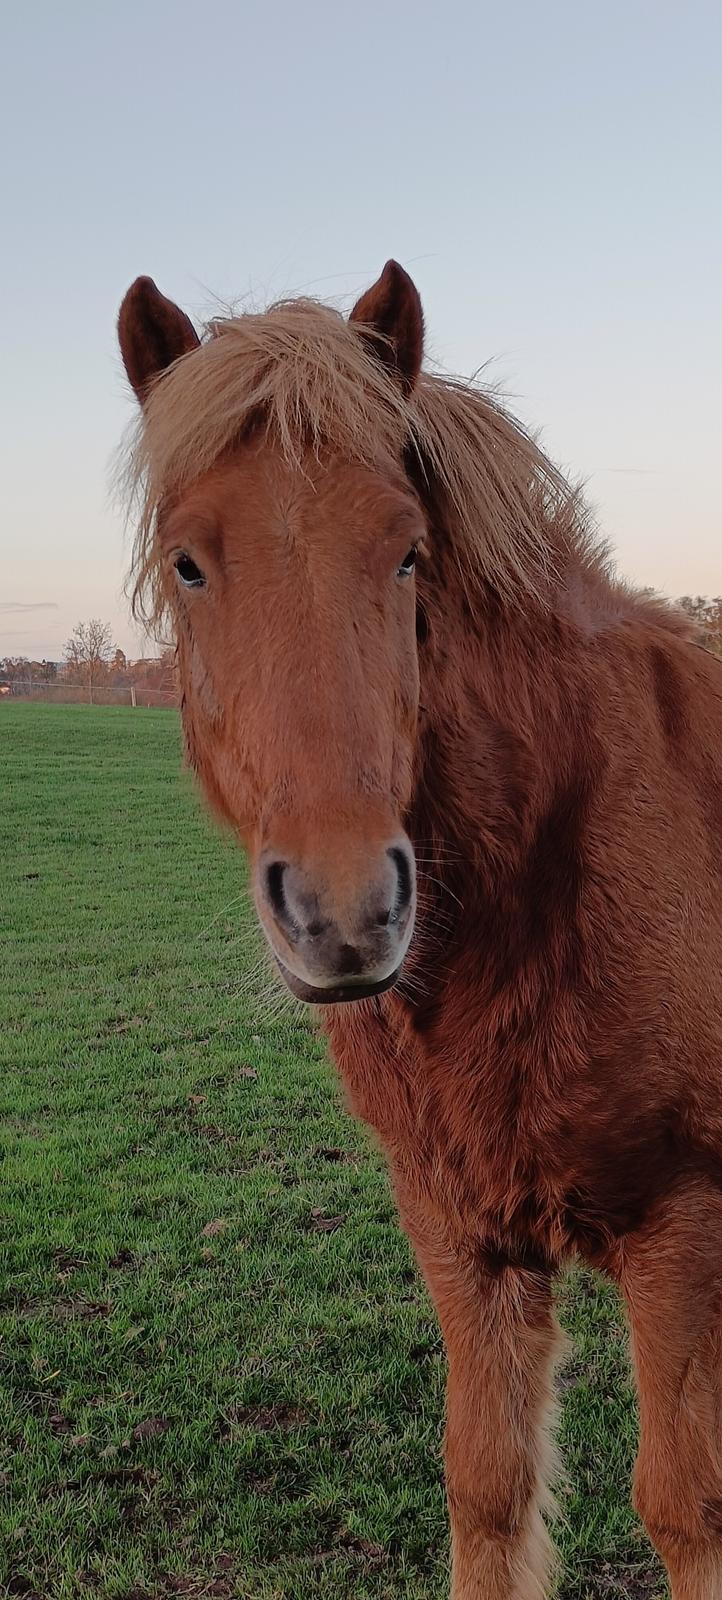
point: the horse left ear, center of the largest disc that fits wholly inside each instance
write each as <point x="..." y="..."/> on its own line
<point x="391" y="322"/>
<point x="152" y="332"/>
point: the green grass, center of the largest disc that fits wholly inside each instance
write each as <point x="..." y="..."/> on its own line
<point x="219" y="1373"/>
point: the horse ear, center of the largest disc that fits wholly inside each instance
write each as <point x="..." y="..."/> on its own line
<point x="152" y="333"/>
<point x="392" y="323"/>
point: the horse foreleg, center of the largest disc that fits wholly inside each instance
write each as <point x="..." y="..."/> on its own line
<point x="671" y="1274"/>
<point x="501" y="1340"/>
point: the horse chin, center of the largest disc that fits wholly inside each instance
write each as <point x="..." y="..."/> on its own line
<point x="342" y="994"/>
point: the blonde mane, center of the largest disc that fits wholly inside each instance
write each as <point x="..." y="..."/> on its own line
<point x="302" y="371"/>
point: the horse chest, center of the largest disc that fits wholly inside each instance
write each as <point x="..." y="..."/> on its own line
<point x="488" y="1180"/>
<point x="475" y="1153"/>
<point x="489" y="1144"/>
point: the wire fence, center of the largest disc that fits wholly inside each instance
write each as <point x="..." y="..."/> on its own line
<point x="73" y="694"/>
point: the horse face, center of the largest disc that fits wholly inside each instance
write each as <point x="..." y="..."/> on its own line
<point x="293" y="591"/>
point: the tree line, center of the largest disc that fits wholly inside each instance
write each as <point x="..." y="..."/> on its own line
<point x="92" y="661"/>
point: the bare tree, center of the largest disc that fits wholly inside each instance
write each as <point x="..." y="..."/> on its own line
<point x="88" y="651"/>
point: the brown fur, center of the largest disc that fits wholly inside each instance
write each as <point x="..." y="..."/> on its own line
<point x="545" y="1077"/>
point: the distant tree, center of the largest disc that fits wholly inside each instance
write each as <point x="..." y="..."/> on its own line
<point x="708" y="616"/>
<point x="88" y="652"/>
<point x="715" y="625"/>
<point x="118" y="668"/>
<point x="695" y="606"/>
<point x="15" y="669"/>
<point x="156" y="672"/>
<point x="42" y="671"/>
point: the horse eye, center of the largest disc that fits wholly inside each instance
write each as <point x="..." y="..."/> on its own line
<point x="190" y="575"/>
<point x="408" y="564"/>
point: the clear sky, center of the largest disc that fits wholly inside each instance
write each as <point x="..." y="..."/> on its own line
<point x="550" y="174"/>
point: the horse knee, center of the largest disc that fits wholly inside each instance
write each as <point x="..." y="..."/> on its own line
<point x="656" y="1506"/>
<point x="680" y="1512"/>
<point x="492" y="1504"/>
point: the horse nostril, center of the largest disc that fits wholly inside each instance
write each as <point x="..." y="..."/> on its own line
<point x="404" y="885"/>
<point x="294" y="906"/>
<point x="274" y="875"/>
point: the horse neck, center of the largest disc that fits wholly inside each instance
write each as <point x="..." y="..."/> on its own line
<point x="504" y="692"/>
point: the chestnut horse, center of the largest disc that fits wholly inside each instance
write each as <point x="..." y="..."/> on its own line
<point x="480" y="785"/>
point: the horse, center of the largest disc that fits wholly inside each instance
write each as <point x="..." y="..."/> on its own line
<point x="479" y="782"/>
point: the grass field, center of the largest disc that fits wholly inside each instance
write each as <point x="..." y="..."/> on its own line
<point x="219" y="1373"/>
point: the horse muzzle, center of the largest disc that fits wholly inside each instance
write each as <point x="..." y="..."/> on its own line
<point x="337" y="933"/>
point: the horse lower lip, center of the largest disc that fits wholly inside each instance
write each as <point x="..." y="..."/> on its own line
<point x="343" y="994"/>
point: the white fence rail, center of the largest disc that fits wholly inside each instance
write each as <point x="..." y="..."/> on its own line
<point x="136" y="694"/>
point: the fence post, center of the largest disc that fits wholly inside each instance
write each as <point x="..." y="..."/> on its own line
<point x="132" y="694"/>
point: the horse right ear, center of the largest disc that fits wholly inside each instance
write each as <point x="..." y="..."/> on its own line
<point x="391" y="323"/>
<point x="152" y="332"/>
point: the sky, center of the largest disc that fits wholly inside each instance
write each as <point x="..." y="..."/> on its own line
<point x="550" y="174"/>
